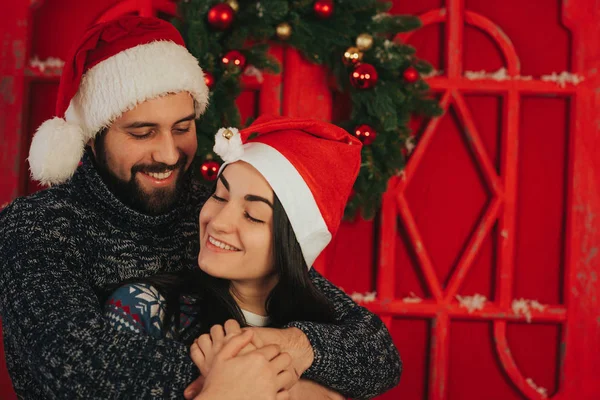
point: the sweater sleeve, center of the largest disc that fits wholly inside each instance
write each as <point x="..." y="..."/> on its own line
<point x="57" y="329"/>
<point x="137" y="308"/>
<point x="355" y="357"/>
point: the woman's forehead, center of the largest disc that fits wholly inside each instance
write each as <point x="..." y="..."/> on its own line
<point x="244" y="179"/>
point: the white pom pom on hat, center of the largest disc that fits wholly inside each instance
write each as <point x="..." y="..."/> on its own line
<point x="228" y="144"/>
<point x="55" y="151"/>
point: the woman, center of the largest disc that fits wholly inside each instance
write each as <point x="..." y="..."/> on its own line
<point x="278" y="201"/>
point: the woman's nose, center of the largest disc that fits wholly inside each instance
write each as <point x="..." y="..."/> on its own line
<point x="223" y="220"/>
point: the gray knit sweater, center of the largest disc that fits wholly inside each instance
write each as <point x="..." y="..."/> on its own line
<point x="60" y="249"/>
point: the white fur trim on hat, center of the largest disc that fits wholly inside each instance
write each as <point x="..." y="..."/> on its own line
<point x="55" y="152"/>
<point x="141" y="73"/>
<point x="295" y="196"/>
<point x="229" y="149"/>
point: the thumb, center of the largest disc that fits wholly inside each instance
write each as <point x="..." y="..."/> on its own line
<point x="194" y="388"/>
<point x="235" y="345"/>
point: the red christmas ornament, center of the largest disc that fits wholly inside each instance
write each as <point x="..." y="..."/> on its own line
<point x="365" y="134"/>
<point x="209" y="79"/>
<point x="210" y="170"/>
<point x="220" y="16"/>
<point x="234" y="57"/>
<point x="323" y="8"/>
<point x="411" y="75"/>
<point x="364" y="76"/>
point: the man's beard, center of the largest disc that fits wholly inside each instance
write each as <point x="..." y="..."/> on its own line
<point x="131" y="193"/>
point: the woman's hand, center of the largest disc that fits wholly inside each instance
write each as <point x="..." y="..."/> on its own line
<point x="205" y="348"/>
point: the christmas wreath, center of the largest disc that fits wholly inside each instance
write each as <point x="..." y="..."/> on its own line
<point x="352" y="38"/>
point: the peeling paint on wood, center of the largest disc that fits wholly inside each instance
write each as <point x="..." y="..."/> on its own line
<point x="19" y="53"/>
<point x="7" y="87"/>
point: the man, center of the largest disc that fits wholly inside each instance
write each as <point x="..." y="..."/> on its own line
<point x="127" y="105"/>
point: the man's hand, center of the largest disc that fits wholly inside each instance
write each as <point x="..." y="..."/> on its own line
<point x="259" y="374"/>
<point x="292" y="341"/>
<point x="306" y="389"/>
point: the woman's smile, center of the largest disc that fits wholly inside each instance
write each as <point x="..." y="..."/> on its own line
<point x="219" y="245"/>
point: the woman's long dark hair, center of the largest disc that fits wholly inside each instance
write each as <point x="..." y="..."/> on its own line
<point x="294" y="297"/>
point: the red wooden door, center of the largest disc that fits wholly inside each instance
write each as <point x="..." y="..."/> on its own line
<point x="485" y="249"/>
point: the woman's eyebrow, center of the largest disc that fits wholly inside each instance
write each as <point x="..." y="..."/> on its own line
<point x="248" y="197"/>
<point x="224" y="181"/>
<point x="252" y="197"/>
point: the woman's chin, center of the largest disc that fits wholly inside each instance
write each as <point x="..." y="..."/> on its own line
<point x="211" y="269"/>
<point x="203" y="265"/>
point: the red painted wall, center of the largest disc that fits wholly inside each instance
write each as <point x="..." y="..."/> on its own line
<point x="501" y="197"/>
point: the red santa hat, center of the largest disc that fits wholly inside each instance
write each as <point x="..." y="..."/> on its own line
<point x="311" y="166"/>
<point x="115" y="66"/>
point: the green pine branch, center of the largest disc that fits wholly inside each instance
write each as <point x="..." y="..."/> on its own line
<point x="387" y="107"/>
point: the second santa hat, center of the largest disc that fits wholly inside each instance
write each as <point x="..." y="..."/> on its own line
<point x="311" y="166"/>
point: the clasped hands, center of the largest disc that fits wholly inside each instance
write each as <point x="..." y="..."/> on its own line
<point x="238" y="363"/>
<point x="230" y="357"/>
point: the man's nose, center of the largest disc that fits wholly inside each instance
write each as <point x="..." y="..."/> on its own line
<point x="166" y="150"/>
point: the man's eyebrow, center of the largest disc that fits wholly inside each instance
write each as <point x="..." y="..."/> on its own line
<point x="141" y="124"/>
<point x="188" y="118"/>
<point x="145" y="124"/>
<point x="251" y="197"/>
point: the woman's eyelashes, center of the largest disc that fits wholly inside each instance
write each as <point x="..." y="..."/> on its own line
<point x="219" y="199"/>
<point x="246" y="214"/>
<point x="254" y="220"/>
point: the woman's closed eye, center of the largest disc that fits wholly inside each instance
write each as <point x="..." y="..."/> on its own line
<point x="246" y="214"/>
<point x="217" y="198"/>
<point x="251" y="219"/>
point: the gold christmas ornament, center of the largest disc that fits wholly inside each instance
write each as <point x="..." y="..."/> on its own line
<point x="233" y="4"/>
<point x="284" y="31"/>
<point x="364" y="41"/>
<point x="352" y="56"/>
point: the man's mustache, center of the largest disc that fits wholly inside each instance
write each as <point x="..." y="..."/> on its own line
<point x="159" y="167"/>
